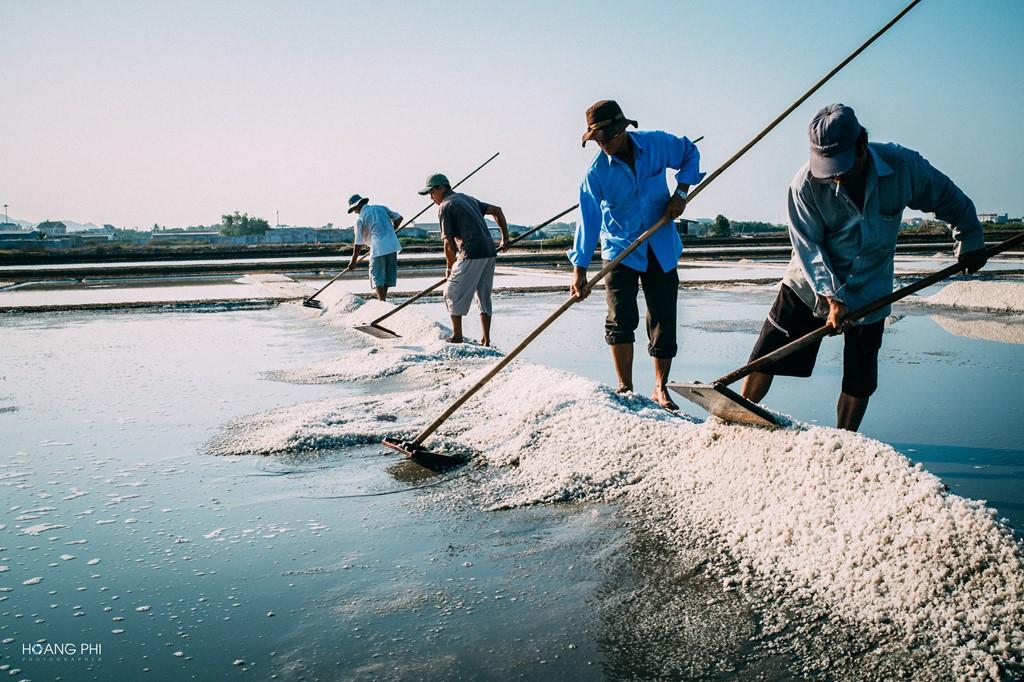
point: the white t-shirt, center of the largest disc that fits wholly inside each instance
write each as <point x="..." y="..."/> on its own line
<point x="375" y="226"/>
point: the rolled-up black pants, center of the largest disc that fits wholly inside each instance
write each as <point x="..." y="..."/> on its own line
<point x="661" y="291"/>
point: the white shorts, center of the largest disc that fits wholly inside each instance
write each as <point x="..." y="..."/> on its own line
<point x="470" y="276"/>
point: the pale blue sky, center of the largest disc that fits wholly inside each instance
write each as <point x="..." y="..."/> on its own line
<point x="176" y="112"/>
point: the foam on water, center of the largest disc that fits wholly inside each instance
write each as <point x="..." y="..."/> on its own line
<point x="817" y="514"/>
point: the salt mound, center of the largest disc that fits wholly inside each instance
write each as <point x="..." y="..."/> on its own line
<point x="820" y="515"/>
<point x="980" y="295"/>
<point x="421" y="347"/>
<point x="303" y="428"/>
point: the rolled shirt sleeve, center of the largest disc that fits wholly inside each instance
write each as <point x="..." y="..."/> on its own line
<point x="807" y="234"/>
<point x="685" y="157"/>
<point x="589" y="228"/>
<point x="933" y="192"/>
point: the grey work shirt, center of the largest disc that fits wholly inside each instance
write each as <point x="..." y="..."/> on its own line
<point x="462" y="220"/>
<point x="847" y="254"/>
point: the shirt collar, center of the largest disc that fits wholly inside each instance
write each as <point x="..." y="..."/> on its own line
<point x="881" y="166"/>
<point x="638" y="147"/>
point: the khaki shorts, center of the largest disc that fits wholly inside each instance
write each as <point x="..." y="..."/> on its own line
<point x="470" y="276"/>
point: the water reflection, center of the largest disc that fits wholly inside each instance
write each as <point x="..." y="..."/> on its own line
<point x="1001" y="330"/>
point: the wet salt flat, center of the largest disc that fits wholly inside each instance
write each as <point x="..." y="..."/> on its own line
<point x="110" y="292"/>
<point x="596" y="536"/>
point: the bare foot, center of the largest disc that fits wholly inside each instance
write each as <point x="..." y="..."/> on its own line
<point x="485" y="342"/>
<point x="624" y="389"/>
<point x="455" y="339"/>
<point x="660" y="396"/>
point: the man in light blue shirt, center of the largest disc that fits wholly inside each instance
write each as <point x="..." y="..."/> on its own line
<point x="845" y="210"/>
<point x="623" y="193"/>
<point x="376" y="226"/>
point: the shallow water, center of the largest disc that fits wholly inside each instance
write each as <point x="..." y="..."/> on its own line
<point x="418" y="584"/>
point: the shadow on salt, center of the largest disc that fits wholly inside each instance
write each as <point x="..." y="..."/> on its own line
<point x="805" y="514"/>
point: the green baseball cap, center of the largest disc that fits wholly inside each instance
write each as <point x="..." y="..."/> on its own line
<point x="435" y="180"/>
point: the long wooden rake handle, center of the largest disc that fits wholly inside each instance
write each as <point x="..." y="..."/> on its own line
<point x="651" y="230"/>
<point x="864" y="311"/>
<point x="404" y="225"/>
<point x="432" y="287"/>
<point x="512" y="354"/>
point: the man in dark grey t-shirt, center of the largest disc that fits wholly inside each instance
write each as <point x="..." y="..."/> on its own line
<point x="469" y="252"/>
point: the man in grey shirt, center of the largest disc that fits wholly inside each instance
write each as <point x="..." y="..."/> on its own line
<point x="845" y="209"/>
<point x="469" y="252"/>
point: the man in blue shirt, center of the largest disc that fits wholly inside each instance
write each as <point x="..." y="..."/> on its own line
<point x="845" y="209"/>
<point x="623" y="193"/>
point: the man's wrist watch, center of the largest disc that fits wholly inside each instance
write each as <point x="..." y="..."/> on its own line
<point x="681" y="193"/>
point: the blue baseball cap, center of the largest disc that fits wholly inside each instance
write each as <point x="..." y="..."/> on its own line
<point x="833" y="134"/>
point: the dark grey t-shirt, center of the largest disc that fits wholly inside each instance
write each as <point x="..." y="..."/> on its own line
<point x="462" y="219"/>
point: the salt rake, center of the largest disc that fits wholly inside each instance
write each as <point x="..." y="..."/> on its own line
<point x="311" y="302"/>
<point x="414" y="448"/>
<point x="730" y="406"/>
<point x="374" y="328"/>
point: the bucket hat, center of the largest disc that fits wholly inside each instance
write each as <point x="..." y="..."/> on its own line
<point x="605" y="120"/>
<point x="355" y="202"/>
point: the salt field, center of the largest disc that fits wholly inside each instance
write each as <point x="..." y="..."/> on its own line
<point x="199" y="492"/>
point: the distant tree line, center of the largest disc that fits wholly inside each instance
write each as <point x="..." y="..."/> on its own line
<point x="723" y="227"/>
<point x="755" y="226"/>
<point x="242" y="224"/>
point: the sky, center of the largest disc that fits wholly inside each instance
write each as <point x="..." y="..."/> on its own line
<point x="138" y="112"/>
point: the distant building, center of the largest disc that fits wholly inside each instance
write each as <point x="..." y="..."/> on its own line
<point x="21" y="239"/>
<point x="290" y="235"/>
<point x="52" y="228"/>
<point x="415" y="232"/>
<point x="98" y="234"/>
<point x="69" y="241"/>
<point x="689" y="227"/>
<point x="307" y="235"/>
<point x="998" y="218"/>
<point x="184" y="237"/>
<point x="89" y="239"/>
<point x="559" y="229"/>
<point x="36" y="240"/>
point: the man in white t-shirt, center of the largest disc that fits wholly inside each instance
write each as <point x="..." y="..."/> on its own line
<point x="376" y="226"/>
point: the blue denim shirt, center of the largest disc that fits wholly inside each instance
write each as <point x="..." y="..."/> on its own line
<point x="619" y="205"/>
<point x="847" y="254"/>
